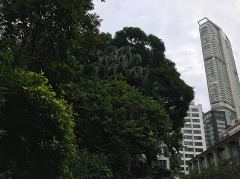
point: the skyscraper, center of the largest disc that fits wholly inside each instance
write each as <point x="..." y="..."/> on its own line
<point x="193" y="135"/>
<point x="221" y="72"/>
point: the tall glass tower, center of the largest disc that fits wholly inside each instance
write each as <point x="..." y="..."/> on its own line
<point x="222" y="77"/>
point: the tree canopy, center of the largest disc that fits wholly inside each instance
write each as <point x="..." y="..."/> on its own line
<point x="47" y="36"/>
<point x="117" y="120"/>
<point x="163" y="82"/>
<point x="78" y="98"/>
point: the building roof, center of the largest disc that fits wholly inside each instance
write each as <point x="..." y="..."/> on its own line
<point x="205" y="19"/>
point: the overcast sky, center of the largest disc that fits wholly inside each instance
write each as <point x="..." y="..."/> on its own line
<point x="175" y="22"/>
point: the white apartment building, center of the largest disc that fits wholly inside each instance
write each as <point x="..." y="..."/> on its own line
<point x="222" y="77"/>
<point x="194" y="141"/>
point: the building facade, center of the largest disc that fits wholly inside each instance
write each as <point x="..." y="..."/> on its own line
<point x="214" y="124"/>
<point x="226" y="150"/>
<point x="193" y="136"/>
<point x="222" y="77"/>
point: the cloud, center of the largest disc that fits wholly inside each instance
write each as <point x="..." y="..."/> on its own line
<point x="175" y="22"/>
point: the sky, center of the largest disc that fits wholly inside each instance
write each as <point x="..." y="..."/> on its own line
<point x="175" y="22"/>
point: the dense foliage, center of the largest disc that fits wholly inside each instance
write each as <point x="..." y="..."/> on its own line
<point x="140" y="60"/>
<point x="163" y="82"/>
<point x="45" y="36"/>
<point x="128" y="100"/>
<point x="115" y="119"/>
<point x="38" y="140"/>
<point x="90" y="166"/>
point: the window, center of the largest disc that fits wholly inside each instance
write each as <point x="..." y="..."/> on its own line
<point x="187" y="120"/>
<point x="204" y="32"/>
<point x="187" y="131"/>
<point x="222" y="115"/>
<point x="196" y="126"/>
<point x="203" y="29"/>
<point x="189" y="155"/>
<point x="163" y="163"/>
<point x="221" y="126"/>
<point x="198" y="137"/>
<point x="188" y="143"/>
<point x="198" y="143"/>
<point x="221" y="119"/>
<point x="187" y="125"/>
<point x="195" y="120"/>
<point x="195" y="115"/>
<point x="197" y="132"/>
<point x="182" y="162"/>
<point x="199" y="150"/>
<point x="188" y="137"/>
<point x="205" y="40"/>
<point x="188" y="149"/>
<point x="206" y="47"/>
<point x="194" y="110"/>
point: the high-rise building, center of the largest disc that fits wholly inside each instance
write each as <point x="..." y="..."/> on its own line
<point x="221" y="72"/>
<point x="193" y="135"/>
<point x="214" y="124"/>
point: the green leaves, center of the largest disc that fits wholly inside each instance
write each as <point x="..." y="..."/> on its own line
<point x="39" y="136"/>
<point x="47" y="36"/>
<point x="123" y="91"/>
<point x="122" y="64"/>
<point x="112" y="114"/>
<point x="91" y="166"/>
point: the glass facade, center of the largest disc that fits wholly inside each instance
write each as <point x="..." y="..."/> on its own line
<point x="214" y="124"/>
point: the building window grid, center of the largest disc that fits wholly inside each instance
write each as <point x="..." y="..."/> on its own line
<point x="196" y="120"/>
<point x="193" y="133"/>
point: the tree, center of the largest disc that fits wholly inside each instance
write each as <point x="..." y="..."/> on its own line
<point x="38" y="140"/>
<point x="163" y="83"/>
<point x="115" y="119"/>
<point x="61" y="39"/>
<point x="48" y="35"/>
<point x="140" y="60"/>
